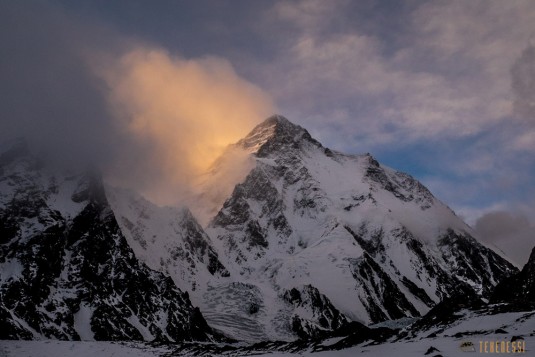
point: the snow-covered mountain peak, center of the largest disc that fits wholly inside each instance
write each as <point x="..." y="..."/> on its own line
<point x="276" y="138"/>
<point x="346" y="225"/>
<point x="273" y="134"/>
<point x="301" y="239"/>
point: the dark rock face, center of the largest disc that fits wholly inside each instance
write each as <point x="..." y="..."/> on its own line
<point x="384" y="300"/>
<point x="467" y="257"/>
<point x="325" y="317"/>
<point x="68" y="272"/>
<point x="518" y="289"/>
<point x="245" y="233"/>
<point x="167" y="239"/>
<point x="430" y="350"/>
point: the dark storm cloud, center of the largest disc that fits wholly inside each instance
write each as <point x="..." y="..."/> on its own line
<point x="48" y="92"/>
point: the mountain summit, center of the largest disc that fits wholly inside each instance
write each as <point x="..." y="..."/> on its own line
<point x="275" y="133"/>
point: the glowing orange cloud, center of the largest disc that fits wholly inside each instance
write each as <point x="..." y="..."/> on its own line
<point x="189" y="110"/>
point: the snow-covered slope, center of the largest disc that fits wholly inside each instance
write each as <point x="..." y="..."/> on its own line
<point x="372" y="241"/>
<point x="167" y="239"/>
<point x="170" y="240"/>
<point x="67" y="271"/>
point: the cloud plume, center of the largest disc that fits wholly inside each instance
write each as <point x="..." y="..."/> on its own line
<point x="183" y="112"/>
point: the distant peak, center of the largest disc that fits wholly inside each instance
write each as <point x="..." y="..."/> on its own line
<point x="277" y="129"/>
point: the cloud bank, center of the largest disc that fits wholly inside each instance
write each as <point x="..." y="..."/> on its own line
<point x="513" y="233"/>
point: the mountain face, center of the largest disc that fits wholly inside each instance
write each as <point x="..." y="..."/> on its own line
<point x="373" y="242"/>
<point x="310" y="241"/>
<point x="67" y="271"/>
<point x="519" y="288"/>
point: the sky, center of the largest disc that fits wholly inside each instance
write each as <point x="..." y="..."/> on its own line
<point x="443" y="90"/>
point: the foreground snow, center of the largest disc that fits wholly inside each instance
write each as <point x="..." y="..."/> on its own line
<point x="446" y="347"/>
<point x="75" y="348"/>
<point x="472" y="327"/>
